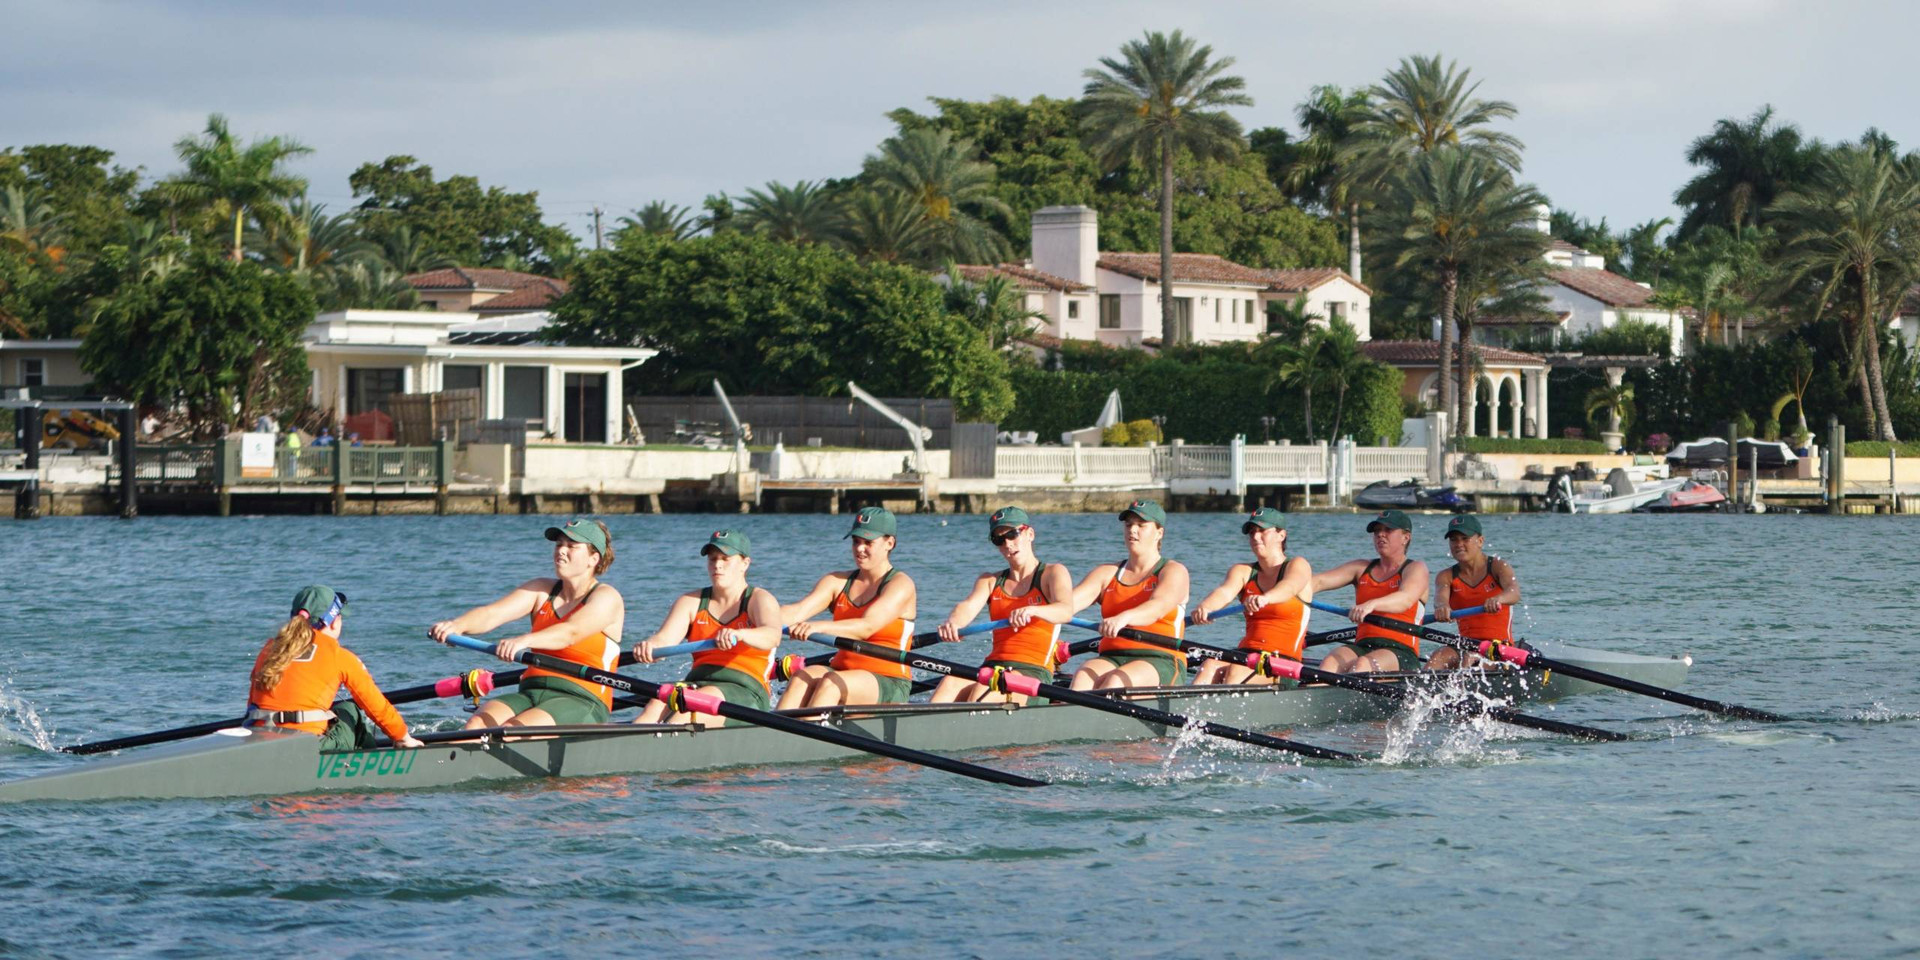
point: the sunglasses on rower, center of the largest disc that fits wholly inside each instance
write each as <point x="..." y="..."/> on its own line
<point x="1000" y="537"/>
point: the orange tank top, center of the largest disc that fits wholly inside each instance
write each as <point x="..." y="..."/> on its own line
<point x="1480" y="626"/>
<point x="896" y="634"/>
<point x="1367" y="588"/>
<point x="744" y="657"/>
<point x="1119" y="595"/>
<point x="1279" y="627"/>
<point x="1033" y="643"/>
<point x="593" y="650"/>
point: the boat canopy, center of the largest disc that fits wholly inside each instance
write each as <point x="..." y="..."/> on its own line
<point x="1712" y="452"/>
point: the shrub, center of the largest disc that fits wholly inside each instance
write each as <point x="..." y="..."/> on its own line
<point x="1878" y="448"/>
<point x="1117" y="436"/>
<point x="1143" y="432"/>
<point x="1528" y="445"/>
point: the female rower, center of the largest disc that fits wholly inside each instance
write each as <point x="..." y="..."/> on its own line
<point x="1145" y="591"/>
<point x="742" y="622"/>
<point x="872" y="602"/>
<point x="302" y="668"/>
<point x="575" y="618"/>
<point x="1474" y="580"/>
<point x="1390" y="585"/>
<point x="1033" y="597"/>
<point x="1274" y="588"/>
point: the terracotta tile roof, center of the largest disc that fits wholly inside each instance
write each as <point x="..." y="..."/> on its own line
<point x="1561" y="317"/>
<point x="1306" y="278"/>
<point x="1605" y="286"/>
<point x="1557" y="244"/>
<point x="1028" y="278"/>
<point x="1189" y="267"/>
<point x="533" y="296"/>
<point x="1426" y="353"/>
<point x="476" y="278"/>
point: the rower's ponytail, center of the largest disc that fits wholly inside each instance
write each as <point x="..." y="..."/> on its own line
<point x="292" y="642"/>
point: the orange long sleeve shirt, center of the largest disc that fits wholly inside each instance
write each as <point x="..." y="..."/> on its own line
<point x="311" y="682"/>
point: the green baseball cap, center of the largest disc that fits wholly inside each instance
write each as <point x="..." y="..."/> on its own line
<point x="1146" y="510"/>
<point x="872" y="523"/>
<point x="1466" y="525"/>
<point x="322" y="605"/>
<point x="1391" y="519"/>
<point x="1265" y="518"/>
<point x="581" y="530"/>
<point x="733" y="543"/>
<point x="1008" y="517"/>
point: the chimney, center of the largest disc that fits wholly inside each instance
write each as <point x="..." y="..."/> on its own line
<point x="1066" y="242"/>
<point x="1543" y="218"/>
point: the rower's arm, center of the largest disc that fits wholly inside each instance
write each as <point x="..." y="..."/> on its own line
<point x="679" y="619"/>
<point x="1443" y="595"/>
<point x="599" y="614"/>
<point x="1237" y="577"/>
<point x="1343" y="575"/>
<point x="1298" y="582"/>
<point x="816" y="601"/>
<point x="896" y="601"/>
<point x="367" y="694"/>
<point x="763" y="611"/>
<point x="1413" y="589"/>
<point x="1509" y="582"/>
<point x="969" y="607"/>
<point x="1055" y="581"/>
<point x="1171" y="592"/>
<point x="521" y="602"/>
<point x="1087" y="591"/>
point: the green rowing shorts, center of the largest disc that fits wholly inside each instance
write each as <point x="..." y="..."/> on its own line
<point x="561" y="700"/>
<point x="1171" y="671"/>
<point x="734" y="686"/>
<point x="1407" y="660"/>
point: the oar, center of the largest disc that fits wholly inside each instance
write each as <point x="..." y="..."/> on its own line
<point x="1523" y="657"/>
<point x="474" y="683"/>
<point x="789" y="666"/>
<point x="1276" y="665"/>
<point x="680" y="697"/>
<point x="1008" y="681"/>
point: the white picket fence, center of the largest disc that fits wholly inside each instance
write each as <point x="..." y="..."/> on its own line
<point x="1234" y="466"/>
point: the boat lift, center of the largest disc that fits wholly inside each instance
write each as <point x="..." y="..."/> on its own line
<point x="27" y="419"/>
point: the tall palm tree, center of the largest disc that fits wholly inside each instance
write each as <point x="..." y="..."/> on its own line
<point x="1296" y="362"/>
<point x="1453" y="208"/>
<point x="885" y="225"/>
<point x="307" y="239"/>
<point x="232" y="180"/>
<point x="30" y="224"/>
<point x="1646" y="257"/>
<point x="802" y="213"/>
<point x="1341" y="362"/>
<point x="1328" y="117"/>
<point x="1421" y="106"/>
<point x="1162" y="95"/>
<point x="409" y="253"/>
<point x="951" y="188"/>
<point x="1745" y="165"/>
<point x="1858" y="223"/>
<point x="662" y="219"/>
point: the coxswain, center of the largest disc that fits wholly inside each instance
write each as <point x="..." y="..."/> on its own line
<point x="1034" y="598"/>
<point x="302" y="668"/>
<point x="872" y="602"/>
<point x="575" y="617"/>
<point x="1390" y="585"/>
<point x="1274" y="589"/>
<point x="1476" y="579"/>
<point x="742" y="621"/>
<point x="1146" y="592"/>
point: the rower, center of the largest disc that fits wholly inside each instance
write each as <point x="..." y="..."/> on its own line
<point x="1145" y="591"/>
<point x="574" y="617"/>
<point x="302" y="668"/>
<point x="742" y="622"/>
<point x="1476" y="579"/>
<point x="1033" y="597"/>
<point x="1390" y="585"/>
<point x="1274" y="589"/>
<point x="872" y="602"/>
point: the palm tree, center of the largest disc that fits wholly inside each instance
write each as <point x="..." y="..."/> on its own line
<point x="1452" y="209"/>
<point x="232" y="180"/>
<point x="802" y="213"/>
<point x="662" y="219"/>
<point x="1746" y="164"/>
<point x="30" y="224"/>
<point x="951" y="189"/>
<point x="1646" y="258"/>
<point x="1341" y="362"/>
<point x="1421" y="106"/>
<point x="885" y="225"/>
<point x="1296" y="362"/>
<point x="1328" y="117"/>
<point x="1162" y="95"/>
<point x="366" y="284"/>
<point x="1858" y="223"/>
<point x="307" y="239"/>
<point x="410" y="253"/>
<point x="1616" y="403"/>
<point x="994" y="304"/>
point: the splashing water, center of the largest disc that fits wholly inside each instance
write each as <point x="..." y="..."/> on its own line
<point x="1881" y="713"/>
<point x="1465" y="734"/>
<point x="19" y="722"/>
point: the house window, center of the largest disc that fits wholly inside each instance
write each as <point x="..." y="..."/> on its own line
<point x="1182" y="319"/>
<point x="33" y="372"/>
<point x="525" y="394"/>
<point x="1336" y="311"/>
<point x="1073" y="309"/>
<point x="1219" y="305"/>
<point x="1251" y="304"/>
<point x="1109" y="311"/>
<point x="461" y="376"/>
<point x="368" y="388"/>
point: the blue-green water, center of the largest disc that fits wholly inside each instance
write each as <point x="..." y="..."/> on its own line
<point x="1700" y="837"/>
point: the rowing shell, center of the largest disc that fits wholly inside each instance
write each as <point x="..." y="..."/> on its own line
<point x="263" y="762"/>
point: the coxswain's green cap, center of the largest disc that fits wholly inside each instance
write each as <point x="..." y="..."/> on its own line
<point x="320" y="605"/>
<point x="1466" y="525"/>
<point x="872" y="523"/>
<point x="1009" y="517"/>
<point x="1265" y="518"/>
<point x="1392" y="520"/>
<point x="581" y="530"/>
<point x="1146" y="510"/>
<point x="733" y="543"/>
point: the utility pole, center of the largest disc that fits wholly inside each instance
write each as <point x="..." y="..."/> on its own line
<point x="599" y="241"/>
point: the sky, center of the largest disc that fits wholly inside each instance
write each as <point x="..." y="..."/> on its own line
<point x="618" y="104"/>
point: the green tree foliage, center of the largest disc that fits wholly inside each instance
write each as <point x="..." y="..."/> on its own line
<point x="473" y="225"/>
<point x="806" y="212"/>
<point x="1322" y="166"/>
<point x="93" y="199"/>
<point x="661" y="219"/>
<point x="939" y="175"/>
<point x="1744" y="165"/>
<point x="218" y="338"/>
<point x="1034" y="147"/>
<point x="994" y="304"/>
<point x="231" y="181"/>
<point x="773" y="318"/>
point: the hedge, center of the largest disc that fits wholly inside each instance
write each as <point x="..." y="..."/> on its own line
<point x="1878" y="448"/>
<point x="1529" y="445"/>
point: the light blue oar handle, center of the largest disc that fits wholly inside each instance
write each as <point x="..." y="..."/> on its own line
<point x="1457" y="614"/>
<point x="685" y="649"/>
<point x="1226" y="611"/>
<point x="461" y="640"/>
<point x="964" y="631"/>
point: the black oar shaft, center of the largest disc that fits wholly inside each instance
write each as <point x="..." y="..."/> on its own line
<point x="1055" y="692"/>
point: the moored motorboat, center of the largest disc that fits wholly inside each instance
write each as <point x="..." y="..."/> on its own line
<point x="1691" y="496"/>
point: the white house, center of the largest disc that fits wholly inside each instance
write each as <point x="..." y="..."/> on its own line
<point x="1584" y="296"/>
<point x="1114" y="298"/>
<point x="359" y="358"/>
<point x="41" y="367"/>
